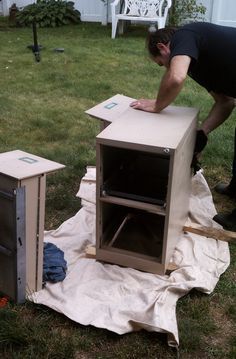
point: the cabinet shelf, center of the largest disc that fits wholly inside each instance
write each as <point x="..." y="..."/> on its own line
<point x="119" y="251"/>
<point x="152" y="208"/>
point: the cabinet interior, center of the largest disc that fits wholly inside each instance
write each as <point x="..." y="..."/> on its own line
<point x="132" y="230"/>
<point x="135" y="175"/>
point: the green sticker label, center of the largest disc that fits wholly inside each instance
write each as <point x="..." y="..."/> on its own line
<point x="110" y="105"/>
<point x="28" y="160"/>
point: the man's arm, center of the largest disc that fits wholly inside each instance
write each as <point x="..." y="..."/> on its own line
<point x="171" y="85"/>
<point x="220" y="111"/>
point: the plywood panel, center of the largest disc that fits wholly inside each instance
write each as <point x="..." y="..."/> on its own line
<point x="129" y="260"/>
<point x="164" y="130"/>
<point x="20" y="164"/>
<point x="31" y="200"/>
<point x="180" y="188"/>
<point x="111" y="109"/>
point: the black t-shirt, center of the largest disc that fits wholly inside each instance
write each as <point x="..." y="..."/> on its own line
<point x="212" y="49"/>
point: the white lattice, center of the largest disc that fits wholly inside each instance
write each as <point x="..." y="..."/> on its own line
<point x="147" y="8"/>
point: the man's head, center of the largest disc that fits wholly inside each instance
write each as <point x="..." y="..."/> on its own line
<point x="158" y="45"/>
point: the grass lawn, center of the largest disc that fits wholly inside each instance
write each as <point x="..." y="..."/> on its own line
<point x="42" y="112"/>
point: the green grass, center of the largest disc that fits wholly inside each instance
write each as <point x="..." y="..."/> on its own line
<point x="42" y="112"/>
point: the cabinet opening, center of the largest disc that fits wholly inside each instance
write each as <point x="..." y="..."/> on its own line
<point x="132" y="230"/>
<point x="135" y="175"/>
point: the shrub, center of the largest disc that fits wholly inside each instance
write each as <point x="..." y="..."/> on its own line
<point x="183" y="11"/>
<point x="48" y="13"/>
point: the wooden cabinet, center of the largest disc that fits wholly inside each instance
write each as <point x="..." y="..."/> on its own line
<point x="22" y="209"/>
<point x="143" y="183"/>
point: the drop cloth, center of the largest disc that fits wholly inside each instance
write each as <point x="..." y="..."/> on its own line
<point x="124" y="299"/>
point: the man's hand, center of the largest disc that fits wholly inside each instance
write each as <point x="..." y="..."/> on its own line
<point x="144" y="105"/>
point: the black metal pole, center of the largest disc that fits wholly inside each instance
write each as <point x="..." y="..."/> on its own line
<point x="36" y="50"/>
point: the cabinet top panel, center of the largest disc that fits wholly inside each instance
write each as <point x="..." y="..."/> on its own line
<point x="19" y="164"/>
<point x="111" y="109"/>
<point x="164" y="130"/>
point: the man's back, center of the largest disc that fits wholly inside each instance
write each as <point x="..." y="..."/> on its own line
<point x="212" y="49"/>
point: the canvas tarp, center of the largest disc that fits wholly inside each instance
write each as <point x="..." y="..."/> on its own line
<point x="124" y="299"/>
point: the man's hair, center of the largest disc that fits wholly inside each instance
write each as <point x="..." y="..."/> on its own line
<point x="159" y="36"/>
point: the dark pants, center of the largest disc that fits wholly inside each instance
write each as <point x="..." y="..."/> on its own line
<point x="234" y="160"/>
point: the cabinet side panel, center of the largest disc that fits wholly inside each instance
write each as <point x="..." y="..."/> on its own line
<point x="180" y="187"/>
<point x="41" y="220"/>
<point x="12" y="239"/>
<point x="32" y="195"/>
<point x="8" y="241"/>
<point x="99" y="181"/>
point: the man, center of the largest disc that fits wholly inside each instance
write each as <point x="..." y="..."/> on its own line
<point x="207" y="53"/>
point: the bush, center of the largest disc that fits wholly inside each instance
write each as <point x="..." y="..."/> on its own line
<point x="183" y="11"/>
<point x="48" y="13"/>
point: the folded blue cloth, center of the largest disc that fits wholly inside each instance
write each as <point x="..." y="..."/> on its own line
<point x="54" y="264"/>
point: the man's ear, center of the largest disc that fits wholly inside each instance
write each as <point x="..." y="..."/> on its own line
<point x="163" y="47"/>
<point x="160" y="46"/>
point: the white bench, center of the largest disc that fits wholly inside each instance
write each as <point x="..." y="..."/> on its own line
<point x="153" y="11"/>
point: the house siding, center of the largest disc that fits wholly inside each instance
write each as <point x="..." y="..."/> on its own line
<point x="221" y="12"/>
